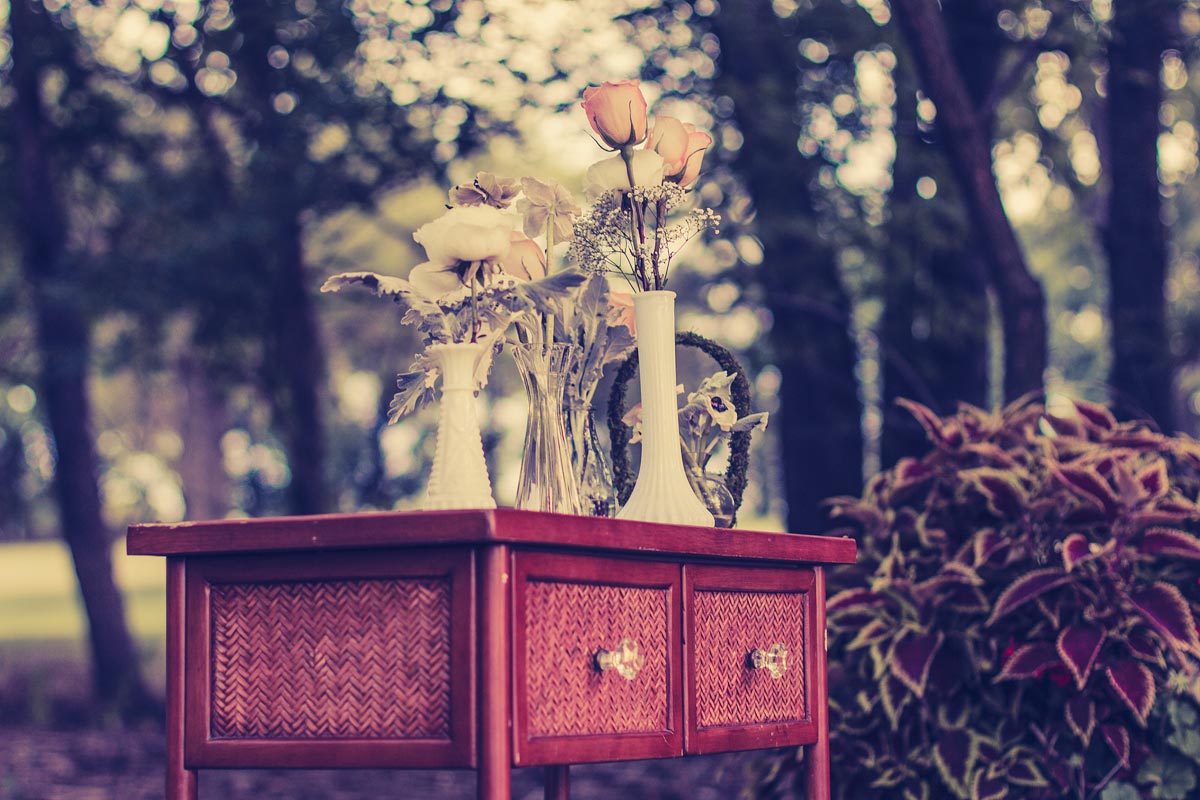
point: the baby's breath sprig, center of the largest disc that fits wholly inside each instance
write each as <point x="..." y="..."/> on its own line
<point x="604" y="236"/>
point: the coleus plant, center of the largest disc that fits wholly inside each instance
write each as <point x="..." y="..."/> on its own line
<point x="1023" y="595"/>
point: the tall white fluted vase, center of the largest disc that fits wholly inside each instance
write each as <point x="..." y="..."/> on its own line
<point x="662" y="492"/>
<point x="460" y="477"/>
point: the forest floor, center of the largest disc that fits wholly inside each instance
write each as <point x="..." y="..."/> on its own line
<point x="54" y="746"/>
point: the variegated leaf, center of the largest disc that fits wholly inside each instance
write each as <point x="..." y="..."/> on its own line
<point x="894" y="698"/>
<point x="1095" y="415"/>
<point x="912" y="656"/>
<point x="1089" y="485"/>
<point x="908" y="474"/>
<point x="1154" y="479"/>
<point x="1078" y="645"/>
<point x="943" y="436"/>
<point x="1169" y="542"/>
<point x="955" y="753"/>
<point x="1026" y="773"/>
<point x="1026" y="588"/>
<point x="1005" y="496"/>
<point x="1075" y="548"/>
<point x="1081" y="717"/>
<point x="1134" y="684"/>
<point x="968" y="599"/>
<point x="1144" y="647"/>
<point x="1129" y="489"/>
<point x="1117" y="739"/>
<point x="852" y="600"/>
<point x="874" y="631"/>
<point x="1028" y="661"/>
<point x="1164" y="607"/>
<point x="987" y="788"/>
<point x="986" y="543"/>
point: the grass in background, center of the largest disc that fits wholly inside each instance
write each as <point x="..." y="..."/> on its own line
<point x="43" y="645"/>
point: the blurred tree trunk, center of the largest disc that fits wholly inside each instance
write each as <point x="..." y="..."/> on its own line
<point x="1022" y="305"/>
<point x="62" y="339"/>
<point x="296" y="366"/>
<point x="299" y="370"/>
<point x="820" y="414"/>
<point x="1134" y="236"/>
<point x="935" y="322"/>
<point x="202" y="423"/>
<point x="293" y="362"/>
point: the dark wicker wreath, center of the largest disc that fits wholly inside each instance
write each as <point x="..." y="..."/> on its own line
<point x="739" y="443"/>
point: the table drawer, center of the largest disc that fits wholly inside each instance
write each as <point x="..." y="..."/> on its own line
<point x="747" y="657"/>
<point x="313" y="660"/>
<point x="568" y="609"/>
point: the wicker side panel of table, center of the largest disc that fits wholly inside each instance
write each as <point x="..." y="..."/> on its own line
<point x="353" y="659"/>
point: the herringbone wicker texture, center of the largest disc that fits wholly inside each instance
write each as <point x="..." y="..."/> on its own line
<point x="565" y="624"/>
<point x="363" y="659"/>
<point x="728" y="626"/>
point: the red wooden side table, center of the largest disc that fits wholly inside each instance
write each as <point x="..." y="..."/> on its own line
<point x="487" y="640"/>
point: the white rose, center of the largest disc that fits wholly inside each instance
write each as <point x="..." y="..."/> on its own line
<point x="466" y="233"/>
<point x="611" y="174"/>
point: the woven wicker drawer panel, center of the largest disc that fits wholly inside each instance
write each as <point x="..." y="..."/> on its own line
<point x="565" y="624"/>
<point x="729" y="625"/>
<point x="361" y="659"/>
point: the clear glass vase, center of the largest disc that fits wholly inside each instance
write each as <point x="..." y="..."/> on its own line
<point x="547" y="481"/>
<point x="710" y="487"/>
<point x="593" y="475"/>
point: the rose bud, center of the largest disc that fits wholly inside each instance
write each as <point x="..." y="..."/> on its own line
<point x="681" y="147"/>
<point x="617" y="113"/>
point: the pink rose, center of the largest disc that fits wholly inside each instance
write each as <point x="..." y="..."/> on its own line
<point x="681" y="147"/>
<point x="617" y="113"/>
<point x="525" y="258"/>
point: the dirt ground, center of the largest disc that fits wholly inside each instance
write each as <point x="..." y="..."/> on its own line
<point x="54" y="747"/>
<point x="127" y="764"/>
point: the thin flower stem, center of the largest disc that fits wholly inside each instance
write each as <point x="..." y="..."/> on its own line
<point x="660" y="211"/>
<point x="640" y="237"/>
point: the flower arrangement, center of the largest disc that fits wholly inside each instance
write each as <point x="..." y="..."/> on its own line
<point x="493" y="274"/>
<point x="628" y="229"/>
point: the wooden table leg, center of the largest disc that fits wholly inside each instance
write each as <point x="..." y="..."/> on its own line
<point x="181" y="782"/>
<point x="816" y="755"/>
<point x="558" y="782"/>
<point x="495" y="738"/>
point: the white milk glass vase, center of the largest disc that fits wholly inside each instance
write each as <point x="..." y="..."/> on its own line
<point x="460" y="477"/>
<point x="662" y="492"/>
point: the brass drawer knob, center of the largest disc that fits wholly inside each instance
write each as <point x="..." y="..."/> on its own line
<point x="775" y="660"/>
<point x="625" y="658"/>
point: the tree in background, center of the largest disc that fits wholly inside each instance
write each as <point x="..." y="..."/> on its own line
<point x="45" y="162"/>
<point x="1134" y="236"/>
<point x="1019" y="294"/>
<point x="810" y="334"/>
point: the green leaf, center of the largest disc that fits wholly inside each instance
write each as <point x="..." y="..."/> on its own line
<point x="1169" y="778"/>
<point x="1120" y="791"/>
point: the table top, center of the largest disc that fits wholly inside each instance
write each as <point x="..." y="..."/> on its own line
<point x="401" y="529"/>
